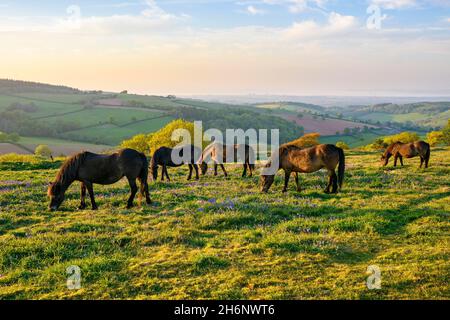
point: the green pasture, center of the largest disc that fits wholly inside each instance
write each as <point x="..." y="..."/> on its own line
<point x="221" y="238"/>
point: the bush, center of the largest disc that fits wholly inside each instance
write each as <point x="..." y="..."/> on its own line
<point x="404" y="137"/>
<point x="342" y="145"/>
<point x="141" y="143"/>
<point x="163" y="137"/>
<point x="446" y="134"/>
<point x="43" y="151"/>
<point x="308" y="140"/>
<point x="13" y="157"/>
<point x="149" y="143"/>
<point x="435" y="137"/>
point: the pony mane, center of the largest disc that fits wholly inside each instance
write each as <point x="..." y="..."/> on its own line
<point x="69" y="169"/>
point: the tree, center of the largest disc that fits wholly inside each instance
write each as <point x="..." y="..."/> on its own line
<point x="43" y="151"/>
<point x="141" y="143"/>
<point x="342" y="145"/>
<point x="446" y="134"/>
<point x="435" y="137"/>
<point x="149" y="143"/>
<point x="404" y="137"/>
<point x="12" y="137"/>
<point x="163" y="137"/>
<point x="308" y="140"/>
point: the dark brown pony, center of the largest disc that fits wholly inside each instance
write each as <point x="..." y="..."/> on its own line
<point x="408" y="150"/>
<point x="90" y="168"/>
<point x="164" y="157"/>
<point x="298" y="160"/>
<point x="213" y="151"/>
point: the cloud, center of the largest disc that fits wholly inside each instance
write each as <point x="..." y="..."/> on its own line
<point x="395" y="4"/>
<point x="152" y="17"/>
<point x="336" y="24"/>
<point x="297" y="6"/>
<point x="254" y="11"/>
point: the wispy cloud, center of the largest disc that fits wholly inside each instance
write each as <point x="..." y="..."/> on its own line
<point x="254" y="11"/>
<point x="395" y="4"/>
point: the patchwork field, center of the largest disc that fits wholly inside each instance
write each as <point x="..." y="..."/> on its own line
<point x="221" y="238"/>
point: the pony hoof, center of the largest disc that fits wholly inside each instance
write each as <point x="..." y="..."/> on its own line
<point x="95" y="208"/>
<point x="82" y="207"/>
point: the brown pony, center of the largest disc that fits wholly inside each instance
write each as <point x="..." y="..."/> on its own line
<point x="213" y="151"/>
<point x="298" y="160"/>
<point x="163" y="157"/>
<point x="90" y="168"/>
<point x="407" y="150"/>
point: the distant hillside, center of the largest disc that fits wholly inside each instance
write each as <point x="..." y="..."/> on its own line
<point x="16" y="86"/>
<point x="42" y="110"/>
<point x="424" y="115"/>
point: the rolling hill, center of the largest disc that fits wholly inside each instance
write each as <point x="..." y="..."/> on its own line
<point x="96" y="117"/>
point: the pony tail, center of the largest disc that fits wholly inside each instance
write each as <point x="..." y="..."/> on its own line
<point x="341" y="169"/>
<point x="428" y="154"/>
<point x="144" y="171"/>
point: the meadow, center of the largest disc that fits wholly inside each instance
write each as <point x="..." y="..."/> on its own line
<point x="221" y="238"/>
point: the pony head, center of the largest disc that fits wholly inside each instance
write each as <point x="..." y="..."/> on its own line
<point x="266" y="179"/>
<point x="56" y="194"/>
<point x="203" y="168"/>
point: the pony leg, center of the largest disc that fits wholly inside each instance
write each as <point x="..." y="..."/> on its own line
<point x="190" y="172"/>
<point x="224" y="171"/>
<point x="144" y="190"/>
<point x="90" y="189"/>
<point x="244" y="174"/>
<point x="427" y="160"/>
<point x="196" y="172"/>
<point x="334" y="182"/>
<point x="401" y="160"/>
<point x="421" y="162"/>
<point x="162" y="173"/>
<point x="251" y="170"/>
<point x="395" y="160"/>
<point x="83" y="197"/>
<point x="287" y="176"/>
<point x="299" y="189"/>
<point x="134" y="190"/>
<point x="215" y="168"/>
<point x="167" y="173"/>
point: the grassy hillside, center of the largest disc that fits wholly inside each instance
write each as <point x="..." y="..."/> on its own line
<point x="33" y="109"/>
<point x="425" y="114"/>
<point x="220" y="238"/>
<point x="312" y="118"/>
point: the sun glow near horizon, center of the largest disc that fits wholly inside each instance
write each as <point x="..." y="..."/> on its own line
<point x="275" y="47"/>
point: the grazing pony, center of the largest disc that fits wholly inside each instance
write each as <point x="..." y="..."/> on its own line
<point x="407" y="150"/>
<point x="298" y="160"/>
<point x="164" y="157"/>
<point x="218" y="152"/>
<point x="90" y="168"/>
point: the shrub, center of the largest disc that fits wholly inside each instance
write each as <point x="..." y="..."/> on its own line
<point x="141" y="143"/>
<point x="404" y="137"/>
<point x="148" y="143"/>
<point x="446" y="134"/>
<point x="342" y="145"/>
<point x="308" y="140"/>
<point x="43" y="151"/>
<point x="435" y="137"/>
<point x="163" y="137"/>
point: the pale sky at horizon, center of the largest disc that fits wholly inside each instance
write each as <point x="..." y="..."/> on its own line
<point x="273" y="47"/>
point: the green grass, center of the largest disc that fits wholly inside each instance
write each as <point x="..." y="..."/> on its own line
<point x="112" y="134"/>
<point x="221" y="238"/>
<point x="354" y="141"/>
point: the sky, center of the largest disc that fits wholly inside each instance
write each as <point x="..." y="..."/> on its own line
<point x="273" y="47"/>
